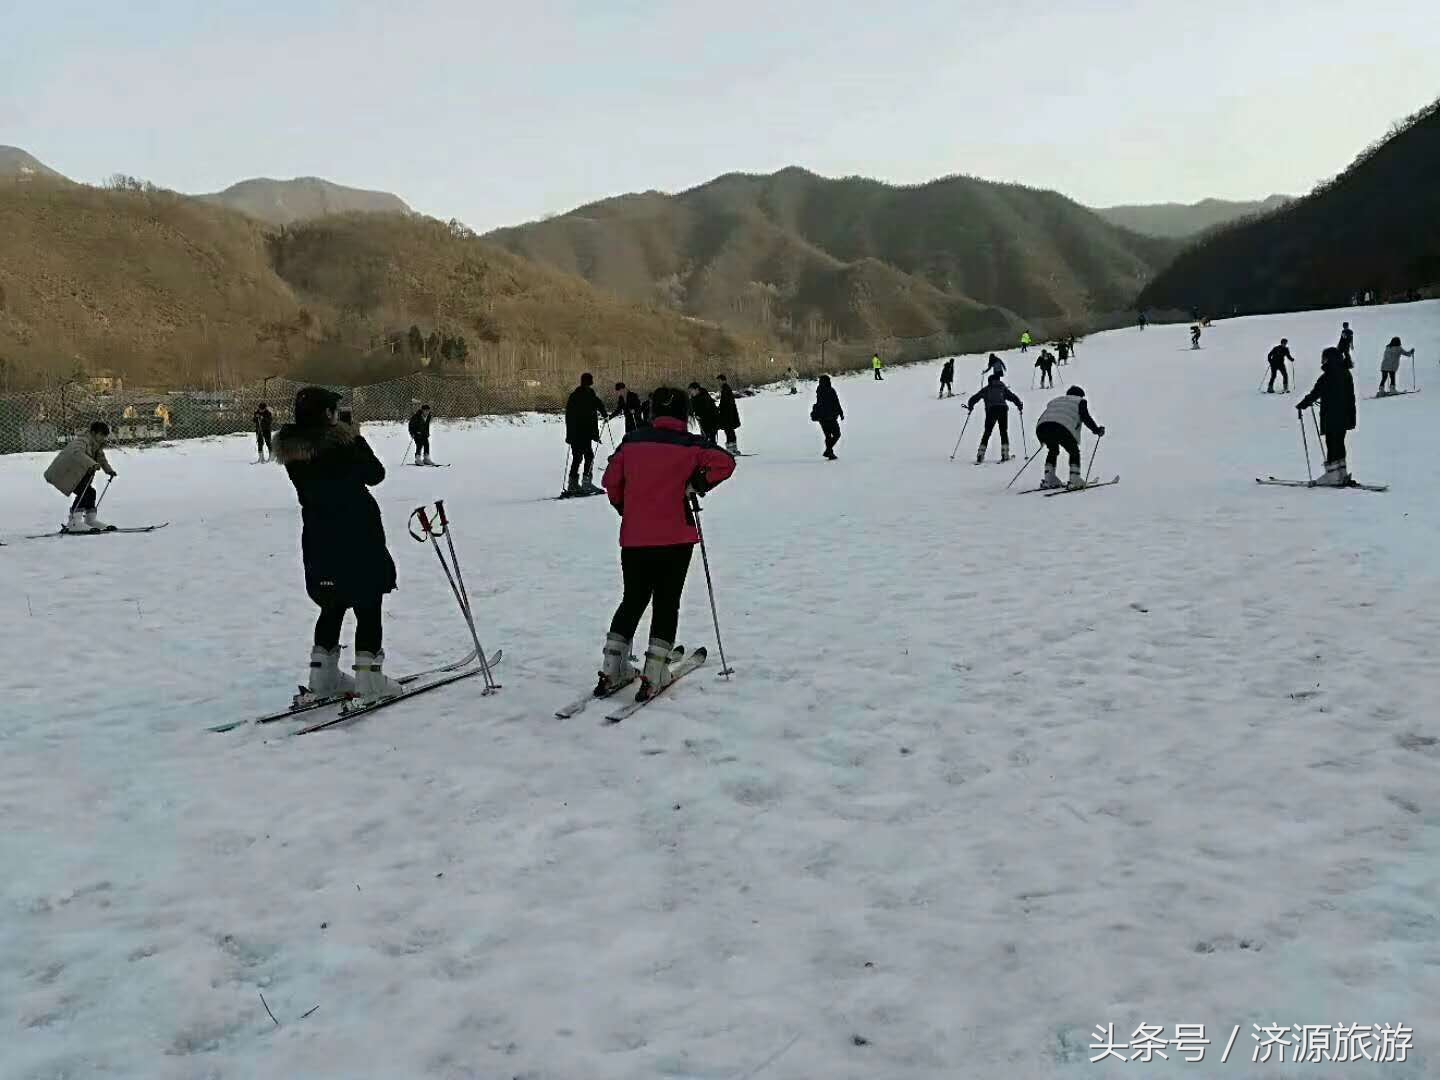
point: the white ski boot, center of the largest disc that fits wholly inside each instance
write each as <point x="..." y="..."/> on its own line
<point x="656" y="675"/>
<point x="616" y="669"/>
<point x="76" y="522"/>
<point x="427" y="460"/>
<point x="1050" y="480"/>
<point x="1076" y="480"/>
<point x="371" y="682"/>
<point x="326" y="678"/>
<point x="93" y="523"/>
<point x="1004" y="453"/>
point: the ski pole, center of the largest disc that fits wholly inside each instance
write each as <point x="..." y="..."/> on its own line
<point x="427" y="533"/>
<point x="1305" y="442"/>
<point x="1319" y="437"/>
<point x="725" y="669"/>
<point x="608" y="435"/>
<point x="565" y="472"/>
<point x="1414" y="381"/>
<point x="108" y="481"/>
<point x="969" y="412"/>
<point x="1031" y="458"/>
<point x="1093" y="452"/>
<point x="464" y="593"/>
<point x="1024" y="443"/>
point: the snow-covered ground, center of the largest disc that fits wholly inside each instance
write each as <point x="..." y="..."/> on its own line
<point x="994" y="769"/>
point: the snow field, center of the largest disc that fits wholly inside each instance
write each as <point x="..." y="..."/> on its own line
<point x="994" y="769"/>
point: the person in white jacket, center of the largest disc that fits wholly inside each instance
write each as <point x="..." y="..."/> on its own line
<point x="1059" y="426"/>
<point x="73" y="473"/>
<point x="1390" y="364"/>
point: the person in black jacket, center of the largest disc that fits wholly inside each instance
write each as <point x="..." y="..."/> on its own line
<point x="342" y="541"/>
<point x="997" y="397"/>
<point x="1046" y="363"/>
<point x="1335" y="391"/>
<point x="827" y="413"/>
<point x="702" y="407"/>
<point x="1277" y="357"/>
<point x="947" y="378"/>
<point x="583" y="412"/>
<point x="629" y="405"/>
<point x="729" y="416"/>
<point x="264" y="424"/>
<point x="420" y="435"/>
<point x="1347" y="342"/>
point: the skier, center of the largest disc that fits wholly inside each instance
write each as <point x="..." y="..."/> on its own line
<point x="1063" y="348"/>
<point x="629" y="405"/>
<point x="1025" y="341"/>
<point x="264" y="422"/>
<point x="1046" y="364"/>
<point x="72" y="473"/>
<point x="828" y="413"/>
<point x="1195" y="336"/>
<point x="1277" y="357"/>
<point x="995" y="366"/>
<point x="420" y="435"/>
<point x="947" y="377"/>
<point x="876" y="366"/>
<point x="1059" y="426"/>
<point x="703" y="408"/>
<point x="996" y="396"/>
<point x="729" y="416"/>
<point x="649" y="479"/>
<point x="583" y="412"/>
<point x="1347" y="342"/>
<point x="1335" y="391"/>
<point x="1141" y="320"/>
<point x="342" y="541"/>
<point x="1390" y="364"/>
<point x="792" y="377"/>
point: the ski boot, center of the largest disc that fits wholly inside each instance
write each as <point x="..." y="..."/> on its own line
<point x="1050" y="480"/>
<point x="589" y="485"/>
<point x="371" y="682"/>
<point x="616" y="669"/>
<point x="1076" y="481"/>
<point x="980" y="455"/>
<point x="94" y="524"/>
<point x="732" y="448"/>
<point x="1004" y="453"/>
<point x="427" y="460"/>
<point x="76" y="523"/>
<point x="656" y="675"/>
<point x="326" y="678"/>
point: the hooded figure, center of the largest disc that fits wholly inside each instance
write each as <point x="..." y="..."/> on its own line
<point x="827" y="413"/>
<point x="1335" y="392"/>
<point x="342" y="541"/>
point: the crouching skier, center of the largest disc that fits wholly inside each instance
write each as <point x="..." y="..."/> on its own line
<point x="997" y="397"/>
<point x="1059" y="425"/>
<point x="649" y="480"/>
<point x="342" y="541"/>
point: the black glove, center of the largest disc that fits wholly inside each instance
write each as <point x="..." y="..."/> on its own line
<point x="1101" y="431"/>
<point x="1299" y="407"/>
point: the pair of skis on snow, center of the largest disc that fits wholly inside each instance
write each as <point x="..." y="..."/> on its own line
<point x="681" y="665"/>
<point x="1069" y="490"/>
<point x="97" y="532"/>
<point x="1316" y="484"/>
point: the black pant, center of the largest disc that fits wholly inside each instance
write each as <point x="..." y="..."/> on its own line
<point x="84" y="494"/>
<point x="656" y="573"/>
<point x="422" y="446"/>
<point x="831" y="428"/>
<point x="1047" y="377"/>
<point x="730" y="435"/>
<point x="1387" y="376"/>
<point x="1278" y="369"/>
<point x="945" y="388"/>
<point x="1053" y="436"/>
<point x="262" y="441"/>
<point x="1002" y="418"/>
<point x="581" y="453"/>
<point x="1334" y="447"/>
<point x="368" y="634"/>
<point x="877" y="375"/>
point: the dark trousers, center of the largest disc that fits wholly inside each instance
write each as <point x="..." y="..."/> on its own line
<point x="652" y="574"/>
<point x="945" y="388"/>
<point x="84" y="494"/>
<point x="1334" y="447"/>
<point x="262" y="441"/>
<point x="730" y="435"/>
<point x="1278" y="369"/>
<point x="878" y="377"/>
<point x="1055" y="436"/>
<point x="831" y="428"/>
<point x="1047" y="377"/>
<point x="422" y="446"/>
<point x="1002" y="418"/>
<point x="581" y="453"/>
<point x="368" y="634"/>
<point x="1387" y="376"/>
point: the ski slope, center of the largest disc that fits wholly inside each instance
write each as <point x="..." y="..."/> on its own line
<point x="994" y="769"/>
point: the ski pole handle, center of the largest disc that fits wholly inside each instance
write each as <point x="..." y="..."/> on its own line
<point x="425" y="530"/>
<point x="440" y="513"/>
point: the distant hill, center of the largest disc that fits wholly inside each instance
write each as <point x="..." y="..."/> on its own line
<point x="17" y="164"/>
<point x="166" y="289"/>
<point x="282" y="202"/>
<point x="1181" y="220"/>
<point x="1375" y="227"/>
<point x="808" y="258"/>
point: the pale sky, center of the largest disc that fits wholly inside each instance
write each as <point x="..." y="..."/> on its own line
<point x="501" y="113"/>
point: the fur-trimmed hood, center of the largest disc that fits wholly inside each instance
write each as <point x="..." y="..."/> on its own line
<point x="295" y="445"/>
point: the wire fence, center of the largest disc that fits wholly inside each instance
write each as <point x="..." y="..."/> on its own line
<point x="46" y="417"/>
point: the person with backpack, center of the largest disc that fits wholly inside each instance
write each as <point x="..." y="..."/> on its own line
<point x="72" y="473"/>
<point x="947" y="378"/>
<point x="1390" y="366"/>
<point x="827" y="413"/>
<point x="1277" y="357"/>
<point x="583" y="412"/>
<point x="1334" y="390"/>
<point x="1059" y="427"/>
<point x="649" y="480"/>
<point x="705" y="411"/>
<point x="997" y="397"/>
<point x="420" y="435"/>
<point x="264" y="421"/>
<point x="729" y="416"/>
<point x="342" y="541"/>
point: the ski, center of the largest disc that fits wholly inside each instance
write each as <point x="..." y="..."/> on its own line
<point x="578" y="705"/>
<point x="351" y="711"/>
<point x="336" y="699"/>
<point x="431" y="464"/>
<point x="1087" y="487"/>
<point x="98" y="532"/>
<point x="679" y="671"/>
<point x="1313" y="484"/>
<point x="1393" y="393"/>
<point x="579" y="495"/>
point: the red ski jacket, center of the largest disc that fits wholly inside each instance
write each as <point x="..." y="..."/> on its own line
<point x="647" y="478"/>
